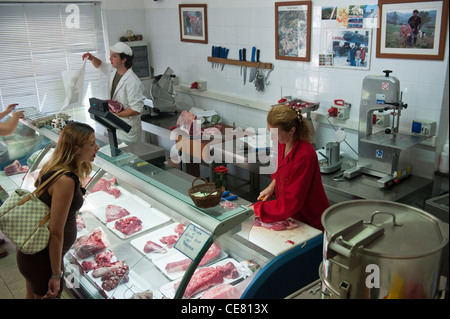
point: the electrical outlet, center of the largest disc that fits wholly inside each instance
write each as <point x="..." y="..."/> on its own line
<point x="382" y="119"/>
<point x="343" y="112"/>
<point x="423" y="127"/>
<point x="201" y="85"/>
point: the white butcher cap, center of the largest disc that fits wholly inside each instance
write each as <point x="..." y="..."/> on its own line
<point x="121" y="47"/>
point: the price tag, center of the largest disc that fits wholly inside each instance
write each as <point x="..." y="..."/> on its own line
<point x="192" y="241"/>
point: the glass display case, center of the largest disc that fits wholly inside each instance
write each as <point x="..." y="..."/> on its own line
<point x="141" y="236"/>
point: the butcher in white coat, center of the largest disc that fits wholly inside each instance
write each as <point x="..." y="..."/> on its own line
<point x="124" y="87"/>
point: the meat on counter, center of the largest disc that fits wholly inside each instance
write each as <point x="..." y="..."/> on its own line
<point x="276" y="226"/>
<point x="91" y="243"/>
<point x="15" y="168"/>
<point x="207" y="277"/>
<point x="128" y="225"/>
<point x="114" y="212"/>
<point x="151" y="247"/>
<point x="108" y="186"/>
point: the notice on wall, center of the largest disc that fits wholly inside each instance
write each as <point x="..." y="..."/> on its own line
<point x="192" y="241"/>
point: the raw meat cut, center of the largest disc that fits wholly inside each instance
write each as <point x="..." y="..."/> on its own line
<point x="178" y="265"/>
<point x="181" y="265"/>
<point x="229" y="271"/>
<point x="179" y="229"/>
<point x="225" y="291"/>
<point x="212" y="252"/>
<point x="169" y="240"/>
<point x="114" y="212"/>
<point x="114" y="278"/>
<point x="107" y="186"/>
<point x="103" y="259"/>
<point x="128" y="225"/>
<point x="115" y="106"/>
<point x="15" y="168"/>
<point x="276" y="226"/>
<point x="154" y="247"/>
<point x="101" y="271"/>
<point x="91" y="243"/>
<point x="202" y="279"/>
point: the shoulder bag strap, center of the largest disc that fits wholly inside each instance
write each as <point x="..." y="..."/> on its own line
<point x="44" y="186"/>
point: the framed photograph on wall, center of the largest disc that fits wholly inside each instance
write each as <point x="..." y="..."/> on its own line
<point x="412" y="29"/>
<point x="193" y="23"/>
<point x="293" y="30"/>
<point x="350" y="47"/>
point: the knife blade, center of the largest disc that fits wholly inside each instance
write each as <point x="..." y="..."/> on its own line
<point x="225" y="55"/>
<point x="253" y="70"/>
<point x="244" y="51"/>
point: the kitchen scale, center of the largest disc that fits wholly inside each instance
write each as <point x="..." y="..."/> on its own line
<point x="331" y="162"/>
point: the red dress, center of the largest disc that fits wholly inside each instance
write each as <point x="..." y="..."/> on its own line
<point x="298" y="188"/>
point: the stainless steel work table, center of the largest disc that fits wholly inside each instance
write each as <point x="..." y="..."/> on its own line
<point x="413" y="190"/>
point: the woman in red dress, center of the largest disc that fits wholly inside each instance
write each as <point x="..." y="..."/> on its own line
<point x="297" y="183"/>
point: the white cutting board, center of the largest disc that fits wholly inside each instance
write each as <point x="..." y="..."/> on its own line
<point x="276" y="242"/>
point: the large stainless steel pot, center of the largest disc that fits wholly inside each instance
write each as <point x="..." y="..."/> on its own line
<point x="381" y="249"/>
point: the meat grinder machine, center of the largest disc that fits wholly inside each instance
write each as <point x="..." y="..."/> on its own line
<point x="379" y="153"/>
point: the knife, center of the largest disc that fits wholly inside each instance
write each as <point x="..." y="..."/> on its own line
<point x="224" y="56"/>
<point x="253" y="70"/>
<point x="213" y="52"/>
<point x="218" y="50"/>
<point x="244" y="51"/>
<point x="240" y="59"/>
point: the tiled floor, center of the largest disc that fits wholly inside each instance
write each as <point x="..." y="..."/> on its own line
<point x="12" y="283"/>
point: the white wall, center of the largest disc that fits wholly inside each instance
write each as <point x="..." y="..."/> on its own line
<point x="237" y="24"/>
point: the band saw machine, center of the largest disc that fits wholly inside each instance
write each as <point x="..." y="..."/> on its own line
<point x="378" y="153"/>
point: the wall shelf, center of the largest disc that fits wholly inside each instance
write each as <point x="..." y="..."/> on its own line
<point x="260" y="65"/>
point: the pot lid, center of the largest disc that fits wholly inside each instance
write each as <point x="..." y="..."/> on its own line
<point x="408" y="232"/>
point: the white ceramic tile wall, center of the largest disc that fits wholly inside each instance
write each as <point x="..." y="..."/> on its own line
<point x="236" y="24"/>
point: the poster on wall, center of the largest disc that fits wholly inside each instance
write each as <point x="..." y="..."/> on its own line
<point x="193" y="23"/>
<point x="412" y="29"/>
<point x="350" y="47"/>
<point x="352" y="16"/>
<point x="293" y="30"/>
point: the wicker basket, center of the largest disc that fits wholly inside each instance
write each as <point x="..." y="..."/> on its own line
<point x="209" y="200"/>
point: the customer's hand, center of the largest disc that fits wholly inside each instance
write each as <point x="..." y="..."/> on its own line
<point x="10" y="107"/>
<point x="18" y="114"/>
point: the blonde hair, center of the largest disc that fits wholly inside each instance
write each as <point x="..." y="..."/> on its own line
<point x="65" y="153"/>
<point x="285" y="118"/>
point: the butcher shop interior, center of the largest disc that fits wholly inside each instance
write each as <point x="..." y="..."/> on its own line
<point x="232" y="149"/>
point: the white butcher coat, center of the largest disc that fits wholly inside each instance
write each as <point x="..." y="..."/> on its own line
<point x="129" y="92"/>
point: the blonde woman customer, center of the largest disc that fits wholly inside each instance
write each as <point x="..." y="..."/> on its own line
<point x="75" y="151"/>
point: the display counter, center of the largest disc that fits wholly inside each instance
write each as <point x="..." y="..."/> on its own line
<point x="140" y="235"/>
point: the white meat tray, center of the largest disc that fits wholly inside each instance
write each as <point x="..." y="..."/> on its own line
<point x="131" y="203"/>
<point x="169" y="291"/>
<point x="155" y="236"/>
<point x="150" y="218"/>
<point x="101" y="198"/>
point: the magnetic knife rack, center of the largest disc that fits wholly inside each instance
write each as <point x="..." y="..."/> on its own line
<point x="260" y="65"/>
